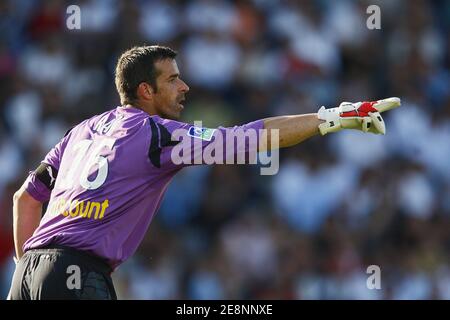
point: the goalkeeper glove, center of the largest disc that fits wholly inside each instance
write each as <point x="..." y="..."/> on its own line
<point x="364" y="116"/>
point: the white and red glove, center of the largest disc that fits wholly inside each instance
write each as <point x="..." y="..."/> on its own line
<point x="364" y="116"/>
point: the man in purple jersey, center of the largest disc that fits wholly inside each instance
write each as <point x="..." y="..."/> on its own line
<point x="106" y="178"/>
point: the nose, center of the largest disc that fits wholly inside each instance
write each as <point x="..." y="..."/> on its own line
<point x="184" y="86"/>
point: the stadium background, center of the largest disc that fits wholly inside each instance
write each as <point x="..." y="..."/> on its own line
<point x="337" y="205"/>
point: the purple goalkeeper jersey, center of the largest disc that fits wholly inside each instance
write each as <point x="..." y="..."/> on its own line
<point x="112" y="171"/>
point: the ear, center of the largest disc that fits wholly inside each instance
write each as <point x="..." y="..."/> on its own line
<point x="145" y="91"/>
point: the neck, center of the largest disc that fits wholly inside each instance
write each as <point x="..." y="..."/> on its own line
<point x="146" y="108"/>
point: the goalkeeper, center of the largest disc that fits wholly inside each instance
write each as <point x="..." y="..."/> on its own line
<point x="106" y="177"/>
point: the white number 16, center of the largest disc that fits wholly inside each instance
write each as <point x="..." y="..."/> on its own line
<point x="95" y="159"/>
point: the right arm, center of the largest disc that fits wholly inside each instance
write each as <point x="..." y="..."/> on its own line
<point x="364" y="116"/>
<point x="293" y="129"/>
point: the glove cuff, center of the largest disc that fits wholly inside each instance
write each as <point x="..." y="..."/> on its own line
<point x="331" y="117"/>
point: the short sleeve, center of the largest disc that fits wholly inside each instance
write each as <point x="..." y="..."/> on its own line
<point x="176" y="144"/>
<point x="35" y="183"/>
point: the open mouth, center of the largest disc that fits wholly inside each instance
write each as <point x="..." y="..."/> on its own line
<point x="180" y="105"/>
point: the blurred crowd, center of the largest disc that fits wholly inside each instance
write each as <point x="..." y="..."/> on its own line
<point x="338" y="204"/>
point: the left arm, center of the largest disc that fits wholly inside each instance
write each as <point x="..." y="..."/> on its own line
<point x="27" y="215"/>
<point x="28" y="200"/>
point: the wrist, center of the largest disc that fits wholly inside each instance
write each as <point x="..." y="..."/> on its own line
<point x="330" y="120"/>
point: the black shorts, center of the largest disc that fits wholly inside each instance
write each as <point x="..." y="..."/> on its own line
<point x="58" y="272"/>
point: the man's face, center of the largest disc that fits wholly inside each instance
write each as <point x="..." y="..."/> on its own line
<point x="171" y="90"/>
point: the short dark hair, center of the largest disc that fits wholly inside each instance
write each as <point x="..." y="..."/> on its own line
<point x="137" y="65"/>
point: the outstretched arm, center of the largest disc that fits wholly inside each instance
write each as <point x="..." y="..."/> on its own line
<point x="363" y="116"/>
<point x="292" y="129"/>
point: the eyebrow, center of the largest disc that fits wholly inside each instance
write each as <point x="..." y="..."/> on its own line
<point x="173" y="76"/>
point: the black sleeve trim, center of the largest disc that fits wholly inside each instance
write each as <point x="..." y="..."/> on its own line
<point x="47" y="175"/>
<point x="164" y="137"/>
<point x="68" y="131"/>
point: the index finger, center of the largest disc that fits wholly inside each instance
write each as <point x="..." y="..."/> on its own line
<point x="387" y="104"/>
